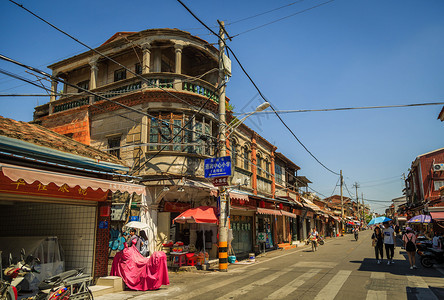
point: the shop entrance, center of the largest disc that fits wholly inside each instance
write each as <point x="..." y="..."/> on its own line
<point x="74" y="226"/>
<point x="242" y="242"/>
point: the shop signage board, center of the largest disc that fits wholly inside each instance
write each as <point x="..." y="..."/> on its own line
<point x="220" y="181"/>
<point x="217" y="167"/>
<point x="262" y="237"/>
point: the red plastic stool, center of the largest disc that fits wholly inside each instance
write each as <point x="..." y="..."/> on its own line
<point x="191" y="259"/>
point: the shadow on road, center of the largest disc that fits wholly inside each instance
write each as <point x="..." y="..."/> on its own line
<point x="400" y="267"/>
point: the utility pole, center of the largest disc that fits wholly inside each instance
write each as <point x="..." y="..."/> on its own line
<point x="223" y="228"/>
<point x="342" y="208"/>
<point x="363" y="207"/>
<point x="356" y="185"/>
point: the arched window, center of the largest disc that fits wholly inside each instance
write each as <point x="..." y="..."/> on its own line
<point x="267" y="168"/>
<point x="246" y="158"/>
<point x="234" y="154"/>
<point x="259" y="164"/>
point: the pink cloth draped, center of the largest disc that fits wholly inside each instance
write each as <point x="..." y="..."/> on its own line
<point x="138" y="272"/>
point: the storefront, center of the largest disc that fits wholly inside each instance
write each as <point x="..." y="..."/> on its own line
<point x="242" y="223"/>
<point x="73" y="208"/>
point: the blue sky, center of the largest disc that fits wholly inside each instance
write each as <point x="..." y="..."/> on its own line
<point x="345" y="53"/>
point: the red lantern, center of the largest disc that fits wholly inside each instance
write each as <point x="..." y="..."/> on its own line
<point x="281" y="206"/>
<point x="262" y="204"/>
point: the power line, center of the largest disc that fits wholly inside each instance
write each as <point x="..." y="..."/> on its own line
<point x="101" y="54"/>
<point x="24" y="79"/>
<point x="352" y="108"/>
<point x="280" y="19"/>
<point x="263" y="13"/>
<point x="257" y="88"/>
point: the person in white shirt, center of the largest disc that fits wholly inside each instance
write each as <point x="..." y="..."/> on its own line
<point x="389" y="242"/>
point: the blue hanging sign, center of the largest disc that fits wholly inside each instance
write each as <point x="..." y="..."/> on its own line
<point x="217" y="167"/>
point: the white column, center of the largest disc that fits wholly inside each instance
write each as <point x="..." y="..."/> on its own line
<point x="178" y="67"/>
<point x="53" y="88"/>
<point x="146" y="50"/>
<point x="94" y="73"/>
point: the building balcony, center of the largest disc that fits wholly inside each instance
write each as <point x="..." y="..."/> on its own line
<point x="152" y="81"/>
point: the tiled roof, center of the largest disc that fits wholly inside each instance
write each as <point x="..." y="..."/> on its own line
<point x="42" y="136"/>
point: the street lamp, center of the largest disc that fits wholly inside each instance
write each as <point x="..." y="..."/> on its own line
<point x="236" y="123"/>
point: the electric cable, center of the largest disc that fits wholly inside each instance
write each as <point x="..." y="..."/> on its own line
<point x="263" y="13"/>
<point x="283" y="18"/>
<point x="101" y="54"/>
<point x="257" y="88"/>
<point x="80" y="88"/>
<point x="350" y="108"/>
<point x="24" y="79"/>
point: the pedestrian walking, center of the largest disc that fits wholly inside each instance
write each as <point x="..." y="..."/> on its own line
<point x="378" y="244"/>
<point x="389" y="242"/>
<point x="409" y="240"/>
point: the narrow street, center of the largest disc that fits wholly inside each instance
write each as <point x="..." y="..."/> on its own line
<point x="340" y="269"/>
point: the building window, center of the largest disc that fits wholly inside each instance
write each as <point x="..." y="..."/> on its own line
<point x="233" y="153"/>
<point x="114" y="146"/>
<point x="138" y="68"/>
<point x="259" y="164"/>
<point x="83" y="85"/>
<point x="267" y="169"/>
<point x="278" y="173"/>
<point x="119" y="74"/>
<point x="438" y="184"/>
<point x="178" y="132"/>
<point x="246" y="158"/>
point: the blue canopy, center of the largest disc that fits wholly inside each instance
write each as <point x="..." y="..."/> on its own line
<point x="379" y="220"/>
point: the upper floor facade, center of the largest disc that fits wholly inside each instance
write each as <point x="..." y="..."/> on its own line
<point x="151" y="98"/>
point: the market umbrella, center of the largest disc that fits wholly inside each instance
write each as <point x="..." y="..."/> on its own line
<point x="420" y="219"/>
<point x="201" y="215"/>
<point x="379" y="220"/>
<point x="136" y="225"/>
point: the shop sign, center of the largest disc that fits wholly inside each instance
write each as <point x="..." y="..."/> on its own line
<point x="217" y="167"/>
<point x="176" y="206"/>
<point x="243" y="202"/>
<point x="51" y="190"/>
<point x="220" y="181"/>
<point x="262" y="237"/>
<point x="103" y="225"/>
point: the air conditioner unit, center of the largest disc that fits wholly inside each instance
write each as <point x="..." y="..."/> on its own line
<point x="438" y="167"/>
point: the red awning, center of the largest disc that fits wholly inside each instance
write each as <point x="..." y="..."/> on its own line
<point x="201" y="214"/>
<point x="437" y="216"/>
<point x="266" y="211"/>
<point x="30" y="175"/>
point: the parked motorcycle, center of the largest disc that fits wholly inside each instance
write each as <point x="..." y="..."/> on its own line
<point x="72" y="284"/>
<point x="14" y="274"/>
<point x="431" y="256"/>
<point x="424" y="245"/>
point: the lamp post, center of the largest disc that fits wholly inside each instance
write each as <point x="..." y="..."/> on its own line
<point x="236" y="123"/>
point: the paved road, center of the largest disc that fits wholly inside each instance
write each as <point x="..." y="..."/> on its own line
<point x="341" y="269"/>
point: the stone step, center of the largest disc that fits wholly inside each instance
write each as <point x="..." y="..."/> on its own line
<point x="114" y="281"/>
<point x="100" y="290"/>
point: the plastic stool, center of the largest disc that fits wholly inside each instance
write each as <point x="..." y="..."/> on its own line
<point x="191" y="259"/>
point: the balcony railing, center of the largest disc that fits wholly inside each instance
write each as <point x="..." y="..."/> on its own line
<point x="168" y="81"/>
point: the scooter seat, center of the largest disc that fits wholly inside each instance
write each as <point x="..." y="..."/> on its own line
<point x="48" y="283"/>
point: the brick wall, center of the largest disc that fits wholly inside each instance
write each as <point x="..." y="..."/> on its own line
<point x="428" y="175"/>
<point x="74" y="123"/>
<point x="102" y="245"/>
